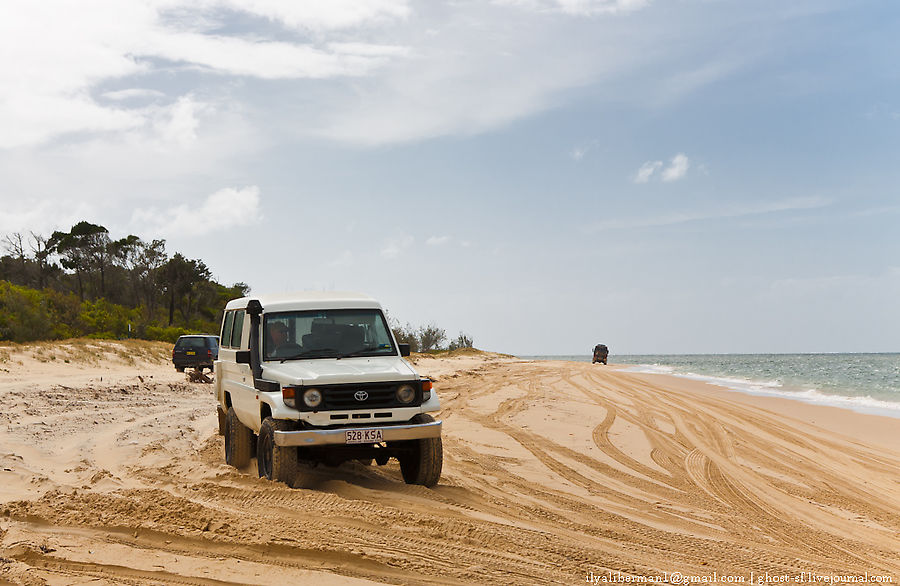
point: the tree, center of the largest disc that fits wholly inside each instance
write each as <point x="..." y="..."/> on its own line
<point x="41" y="252"/>
<point x="17" y="267"/>
<point x="461" y="341"/>
<point x="100" y="287"/>
<point x="404" y="334"/>
<point x="181" y="277"/>
<point x="431" y="337"/>
<point x="85" y="247"/>
<point x="141" y="261"/>
<point x="150" y="260"/>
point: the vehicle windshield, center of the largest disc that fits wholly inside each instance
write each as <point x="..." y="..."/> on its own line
<point x="326" y="333"/>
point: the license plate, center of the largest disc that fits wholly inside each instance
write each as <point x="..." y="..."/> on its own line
<point x="362" y="436"/>
<point x="191" y="353"/>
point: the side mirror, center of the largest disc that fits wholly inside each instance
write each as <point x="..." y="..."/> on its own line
<point x="404" y="349"/>
<point x="242" y="356"/>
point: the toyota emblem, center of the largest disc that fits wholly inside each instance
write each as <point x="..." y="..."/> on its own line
<point x="360" y="395"/>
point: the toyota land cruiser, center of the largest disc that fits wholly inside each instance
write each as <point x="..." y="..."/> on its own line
<point x="318" y="378"/>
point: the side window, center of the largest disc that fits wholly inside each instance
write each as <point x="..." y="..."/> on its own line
<point x="238" y="329"/>
<point x="226" y="328"/>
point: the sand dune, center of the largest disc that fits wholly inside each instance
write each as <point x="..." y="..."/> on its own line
<point x="553" y="473"/>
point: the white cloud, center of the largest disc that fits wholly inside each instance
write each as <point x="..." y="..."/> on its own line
<point x="471" y="68"/>
<point x="578" y="7"/>
<point x="43" y="217"/>
<point x="437" y="240"/>
<point x="677" y="168"/>
<point x="226" y="208"/>
<point x="387" y="73"/>
<point x="31" y="119"/>
<point x="393" y="248"/>
<point x="646" y="171"/>
<point x="267" y="59"/>
<point x="785" y="205"/>
<point x="133" y="94"/>
<point x="63" y="51"/>
<point x="321" y="16"/>
<point x="579" y="152"/>
<point x="179" y="124"/>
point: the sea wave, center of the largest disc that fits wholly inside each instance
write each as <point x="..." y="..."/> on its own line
<point x="774" y="388"/>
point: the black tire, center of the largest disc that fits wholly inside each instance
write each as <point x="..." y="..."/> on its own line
<point x="238" y="441"/>
<point x="278" y="463"/>
<point x="179" y="368"/>
<point x="222" y="416"/>
<point x="423" y="462"/>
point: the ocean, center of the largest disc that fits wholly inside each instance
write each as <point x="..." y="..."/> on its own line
<point x="867" y="383"/>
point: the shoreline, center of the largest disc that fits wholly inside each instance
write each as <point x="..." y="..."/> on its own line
<point x="812" y="397"/>
<point x="866" y="427"/>
<point x="880" y="428"/>
<point x="861" y="404"/>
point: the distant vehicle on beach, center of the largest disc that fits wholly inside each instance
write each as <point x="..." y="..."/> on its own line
<point x="195" y="351"/>
<point x="601" y="352"/>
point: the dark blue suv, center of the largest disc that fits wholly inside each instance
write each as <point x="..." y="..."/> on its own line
<point x="195" y="351"/>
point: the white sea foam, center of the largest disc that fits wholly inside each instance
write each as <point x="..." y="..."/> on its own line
<point x="650" y="369"/>
<point x="774" y="388"/>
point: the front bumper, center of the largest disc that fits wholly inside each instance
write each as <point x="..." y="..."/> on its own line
<point x="323" y="437"/>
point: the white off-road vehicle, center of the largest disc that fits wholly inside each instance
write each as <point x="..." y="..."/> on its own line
<point x="318" y="378"/>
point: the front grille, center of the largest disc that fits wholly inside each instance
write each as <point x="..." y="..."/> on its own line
<point x="377" y="396"/>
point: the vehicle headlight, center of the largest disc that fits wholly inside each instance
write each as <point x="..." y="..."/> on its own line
<point x="426" y="390"/>
<point x="406" y="394"/>
<point x="312" y="397"/>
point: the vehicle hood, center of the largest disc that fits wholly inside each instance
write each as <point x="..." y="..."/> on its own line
<point x="333" y="371"/>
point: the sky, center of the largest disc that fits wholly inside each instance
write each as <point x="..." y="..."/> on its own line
<point x="680" y="176"/>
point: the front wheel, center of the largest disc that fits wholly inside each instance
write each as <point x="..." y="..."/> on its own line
<point x="238" y="441"/>
<point x="278" y="463"/>
<point x="422" y="463"/>
<point x="221" y="415"/>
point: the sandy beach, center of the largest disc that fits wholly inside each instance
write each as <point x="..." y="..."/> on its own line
<point x="112" y="472"/>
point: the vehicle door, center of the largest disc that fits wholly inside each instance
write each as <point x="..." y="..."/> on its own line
<point x="237" y="379"/>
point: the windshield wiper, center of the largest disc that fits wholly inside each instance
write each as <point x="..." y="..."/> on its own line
<point x="309" y="353"/>
<point x="362" y="351"/>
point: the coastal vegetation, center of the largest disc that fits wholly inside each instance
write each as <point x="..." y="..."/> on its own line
<point x="83" y="283"/>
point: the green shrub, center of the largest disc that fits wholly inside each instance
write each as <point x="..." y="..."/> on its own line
<point x="24" y="314"/>
<point x="164" y="334"/>
<point x="103" y="319"/>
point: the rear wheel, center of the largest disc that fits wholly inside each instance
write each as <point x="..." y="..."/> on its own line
<point x="238" y="441"/>
<point x="422" y="462"/>
<point x="278" y="463"/>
